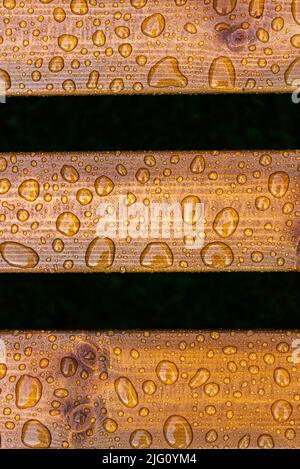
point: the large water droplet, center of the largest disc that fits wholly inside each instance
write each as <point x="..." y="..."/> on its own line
<point x="296" y="10"/>
<point x="100" y="254"/>
<point x="292" y="73"/>
<point x="199" y="378"/>
<point x="28" y="391"/>
<point x="226" y="222"/>
<point x="35" y="435"/>
<point x="18" y="255"/>
<point x="224" y="7"/>
<point x="197" y="165"/>
<point x="104" y="186"/>
<point x="178" y="432"/>
<point x="69" y="173"/>
<point x="167" y="372"/>
<point x="165" y="73"/>
<point x="126" y="392"/>
<point x="79" y="7"/>
<point x="282" y="377"/>
<point x="279" y="184"/>
<point x="217" y="255"/>
<point x="157" y="256"/>
<point x="68" y="224"/>
<point x="29" y="190"/>
<point x="256" y="8"/>
<point x="68" y="366"/>
<point x="222" y="74"/>
<point x="153" y="25"/>
<point x="140" y="439"/>
<point x="67" y="42"/>
<point x="281" y="410"/>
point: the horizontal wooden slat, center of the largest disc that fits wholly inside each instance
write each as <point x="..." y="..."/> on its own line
<point x="196" y="389"/>
<point x="53" y="207"/>
<point x="144" y="46"/>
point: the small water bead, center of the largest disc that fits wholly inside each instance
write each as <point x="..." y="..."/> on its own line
<point x="282" y="377"/>
<point x="290" y="434"/>
<point x="3" y="370"/>
<point x="281" y="410"/>
<point x="217" y="255"/>
<point x="211" y="389"/>
<point x="257" y="256"/>
<point x="69" y="173"/>
<point x="28" y="391"/>
<point x="29" y="190"/>
<point x="35" y="435"/>
<point x="58" y="245"/>
<point x="167" y="372"/>
<point x="100" y="254"/>
<point x="67" y="42"/>
<point x="153" y="25"/>
<point x="99" y="38"/>
<point x="211" y="436"/>
<point x="126" y="392"/>
<point x="265" y="160"/>
<point x="3" y="162"/>
<point x="56" y="64"/>
<point x="22" y="215"/>
<point x="166" y="73"/>
<point x="140" y="439"/>
<point x="226" y="222"/>
<point x="199" y="378"/>
<point x="110" y="425"/>
<point x="278" y="184"/>
<point x="68" y="366"/>
<point x="178" y="432"/>
<point x="18" y="255"/>
<point x="104" y="186"/>
<point x="150" y="160"/>
<point x="156" y="255"/>
<point x="68" y="224"/>
<point x="4" y="186"/>
<point x="59" y="14"/>
<point x="138" y="3"/>
<point x="262" y="203"/>
<point x="265" y="441"/>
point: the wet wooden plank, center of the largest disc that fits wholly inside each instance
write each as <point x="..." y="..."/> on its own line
<point x="144" y="46"/>
<point x="196" y="389"/>
<point x="144" y="212"/>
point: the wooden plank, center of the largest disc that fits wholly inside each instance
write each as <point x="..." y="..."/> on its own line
<point x="144" y="46"/>
<point x="99" y="211"/>
<point x="196" y="389"/>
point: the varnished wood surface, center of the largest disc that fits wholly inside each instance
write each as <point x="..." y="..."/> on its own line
<point x="52" y="206"/>
<point x="157" y="389"/>
<point x="146" y="46"/>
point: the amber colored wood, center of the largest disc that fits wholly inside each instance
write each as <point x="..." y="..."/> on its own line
<point x="195" y="389"/>
<point x="52" y="206"/>
<point x="145" y="46"/>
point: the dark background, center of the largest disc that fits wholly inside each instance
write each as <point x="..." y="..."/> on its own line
<point x="211" y="300"/>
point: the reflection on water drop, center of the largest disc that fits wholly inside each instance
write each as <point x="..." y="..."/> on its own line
<point x="178" y="432"/>
<point x="126" y="392"/>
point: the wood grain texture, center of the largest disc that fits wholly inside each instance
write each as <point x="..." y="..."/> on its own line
<point x="95" y="211"/>
<point x="196" y="389"/>
<point x="145" y="46"/>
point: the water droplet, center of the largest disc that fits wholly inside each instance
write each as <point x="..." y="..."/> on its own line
<point x="3" y="370"/>
<point x="56" y="64"/>
<point x="104" y="186"/>
<point x="67" y="42"/>
<point x="262" y="203"/>
<point x="279" y="184"/>
<point x="167" y="372"/>
<point x="197" y="165"/>
<point x="99" y="38"/>
<point x="292" y="72"/>
<point x="296" y="10"/>
<point x="149" y="387"/>
<point x="126" y="392"/>
<point x="35" y="435"/>
<point x="256" y="8"/>
<point x="211" y="436"/>
<point x="68" y="224"/>
<point x="28" y="391"/>
<point x="222" y="73"/>
<point x="217" y="255"/>
<point x="265" y="441"/>
<point x="166" y="73"/>
<point x="100" y="254"/>
<point x="199" y="378"/>
<point x="59" y="14"/>
<point x="140" y="439"/>
<point x="18" y="255"/>
<point x="79" y="7"/>
<point x="178" y="432"/>
<point x="244" y="442"/>
<point x="68" y="366"/>
<point x="81" y="418"/>
<point x="142" y="175"/>
<point x="4" y="186"/>
<point x="29" y="190"/>
<point x="226" y="222"/>
<point x="191" y="209"/>
<point x="153" y="25"/>
<point x="84" y="196"/>
<point x="5" y="78"/>
<point x="87" y="354"/>
<point x="281" y="410"/>
<point x="224" y="7"/>
<point x="69" y="173"/>
<point x="138" y="3"/>
<point x="110" y="425"/>
<point x="282" y="377"/>
<point x="157" y="255"/>
<point x="211" y="389"/>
